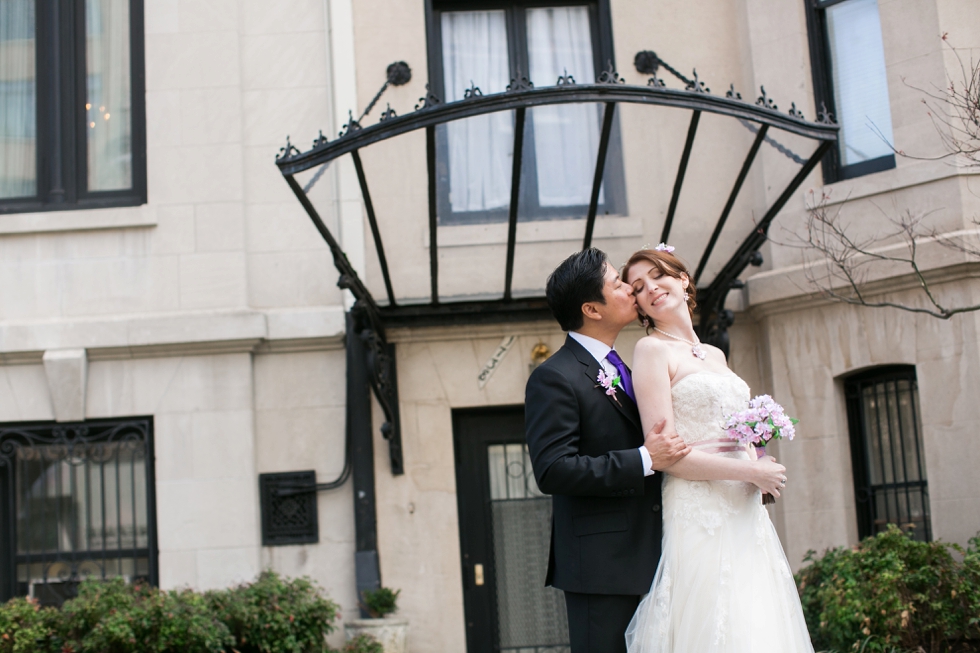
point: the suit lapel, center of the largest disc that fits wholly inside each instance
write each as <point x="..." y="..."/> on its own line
<point x="591" y="367"/>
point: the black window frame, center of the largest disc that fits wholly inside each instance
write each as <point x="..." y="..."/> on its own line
<point x="821" y="67"/>
<point x="60" y="78"/>
<point x="614" y="185"/>
<point x="64" y="434"/>
<point x="864" y="491"/>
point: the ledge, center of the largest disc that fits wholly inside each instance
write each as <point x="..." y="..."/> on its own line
<point x="81" y="220"/>
<point x="887" y="181"/>
<point x="197" y="333"/>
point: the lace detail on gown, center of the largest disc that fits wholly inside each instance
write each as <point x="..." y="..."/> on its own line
<point x="722" y="565"/>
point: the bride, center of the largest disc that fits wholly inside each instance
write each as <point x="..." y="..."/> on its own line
<point x="723" y="583"/>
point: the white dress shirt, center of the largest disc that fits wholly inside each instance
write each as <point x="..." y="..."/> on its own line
<point x="599" y="351"/>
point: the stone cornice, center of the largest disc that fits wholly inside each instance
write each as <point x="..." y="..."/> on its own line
<point x="175" y="334"/>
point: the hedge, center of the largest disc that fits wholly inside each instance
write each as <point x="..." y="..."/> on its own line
<point x="892" y="594"/>
<point x="271" y="615"/>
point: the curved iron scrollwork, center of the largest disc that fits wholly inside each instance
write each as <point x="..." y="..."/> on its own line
<point x="380" y="363"/>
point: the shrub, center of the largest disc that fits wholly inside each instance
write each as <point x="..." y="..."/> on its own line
<point x="891" y="593"/>
<point x="26" y="627"/>
<point x="115" y="617"/>
<point x="381" y="602"/>
<point x="271" y="615"/>
<point x="363" y="643"/>
<point x="275" y="615"/>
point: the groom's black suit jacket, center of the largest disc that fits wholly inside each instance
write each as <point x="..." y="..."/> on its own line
<point x="606" y="525"/>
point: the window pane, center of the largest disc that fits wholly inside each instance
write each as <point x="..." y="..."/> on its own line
<point x="18" y="113"/>
<point x="474" y="51"/>
<point x="860" y="84"/>
<point x="566" y="137"/>
<point x="109" y="99"/>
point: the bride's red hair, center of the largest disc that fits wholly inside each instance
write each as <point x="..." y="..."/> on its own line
<point x="668" y="264"/>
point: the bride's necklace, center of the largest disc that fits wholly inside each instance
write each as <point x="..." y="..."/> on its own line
<point x="695" y="345"/>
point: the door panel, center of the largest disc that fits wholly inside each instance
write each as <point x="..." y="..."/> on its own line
<point x="505" y="530"/>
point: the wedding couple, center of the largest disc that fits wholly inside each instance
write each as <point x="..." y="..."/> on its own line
<point x="660" y="541"/>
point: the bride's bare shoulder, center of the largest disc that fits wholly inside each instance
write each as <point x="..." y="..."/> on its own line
<point x="651" y="347"/>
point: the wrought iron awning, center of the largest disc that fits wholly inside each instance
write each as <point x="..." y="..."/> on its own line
<point x="759" y="116"/>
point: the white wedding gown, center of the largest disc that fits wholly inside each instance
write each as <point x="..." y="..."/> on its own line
<point x="723" y="584"/>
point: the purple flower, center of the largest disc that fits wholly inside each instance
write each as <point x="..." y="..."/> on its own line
<point x="764" y="420"/>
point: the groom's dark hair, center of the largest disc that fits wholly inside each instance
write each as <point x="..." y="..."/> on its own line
<point x="577" y="280"/>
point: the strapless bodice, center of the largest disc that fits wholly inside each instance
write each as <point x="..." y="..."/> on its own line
<point x="701" y="402"/>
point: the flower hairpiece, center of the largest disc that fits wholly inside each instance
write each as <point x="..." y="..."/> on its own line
<point x="664" y="247"/>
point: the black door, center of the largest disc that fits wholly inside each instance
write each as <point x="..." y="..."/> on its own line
<point x="504" y="532"/>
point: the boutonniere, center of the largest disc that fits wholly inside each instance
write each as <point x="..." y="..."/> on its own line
<point x="608" y="383"/>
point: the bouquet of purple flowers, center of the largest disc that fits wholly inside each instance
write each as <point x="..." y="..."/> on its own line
<point x="763" y="421"/>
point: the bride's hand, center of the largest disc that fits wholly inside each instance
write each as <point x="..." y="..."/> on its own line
<point x="770" y="476"/>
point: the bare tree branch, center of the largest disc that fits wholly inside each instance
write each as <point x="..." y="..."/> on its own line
<point x="955" y="114"/>
<point x="838" y="264"/>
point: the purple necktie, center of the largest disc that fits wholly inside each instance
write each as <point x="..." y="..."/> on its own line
<point x="624" y="373"/>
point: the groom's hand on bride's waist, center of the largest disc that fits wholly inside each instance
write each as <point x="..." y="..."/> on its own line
<point x="665" y="448"/>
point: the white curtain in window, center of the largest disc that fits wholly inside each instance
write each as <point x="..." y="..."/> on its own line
<point x="566" y="137"/>
<point x="474" y="51"/>
<point x="860" y="83"/>
<point x="18" y="113"/>
<point x="109" y="98"/>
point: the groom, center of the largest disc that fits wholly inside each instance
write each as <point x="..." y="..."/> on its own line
<point x="589" y="451"/>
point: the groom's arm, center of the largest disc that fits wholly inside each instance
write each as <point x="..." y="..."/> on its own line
<point x="553" y="430"/>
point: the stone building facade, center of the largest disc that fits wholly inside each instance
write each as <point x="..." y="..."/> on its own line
<point x="210" y="305"/>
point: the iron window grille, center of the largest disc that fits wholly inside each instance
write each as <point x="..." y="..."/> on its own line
<point x="822" y="69"/>
<point x="531" y="207"/>
<point x="71" y="105"/>
<point x="889" y="466"/>
<point x="76" y="501"/>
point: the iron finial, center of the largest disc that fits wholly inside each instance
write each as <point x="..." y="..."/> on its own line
<point x="610" y="76"/>
<point x="824" y="117"/>
<point x="351" y="126"/>
<point x="796" y="113"/>
<point x="429" y="101"/>
<point x="520" y="83"/>
<point x="732" y="93"/>
<point x="388" y="114"/>
<point x="287" y="150"/>
<point x="764" y="100"/>
<point x="696" y="84"/>
<point x="565" y="80"/>
<point x="472" y="92"/>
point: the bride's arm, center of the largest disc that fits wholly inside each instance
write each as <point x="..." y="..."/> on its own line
<point x="651" y="383"/>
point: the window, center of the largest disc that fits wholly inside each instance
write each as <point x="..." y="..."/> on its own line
<point x="76" y="500"/>
<point x="489" y="44"/>
<point x="849" y="78"/>
<point x="886" y="452"/>
<point x="72" y="127"/>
